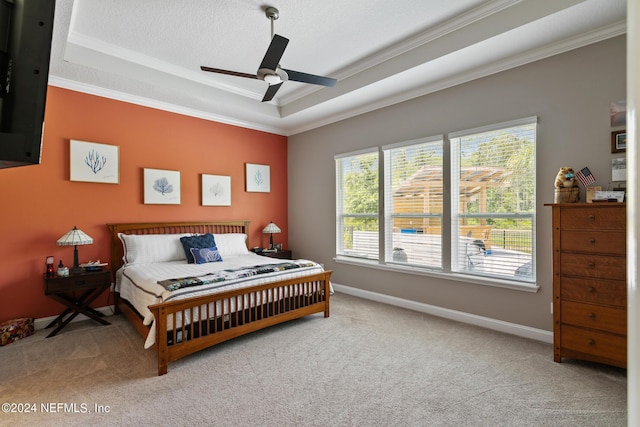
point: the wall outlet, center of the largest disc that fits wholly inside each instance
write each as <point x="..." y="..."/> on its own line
<point x="551" y="307"/>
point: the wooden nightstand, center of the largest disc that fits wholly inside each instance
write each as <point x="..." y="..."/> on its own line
<point x="284" y="254"/>
<point x="77" y="291"/>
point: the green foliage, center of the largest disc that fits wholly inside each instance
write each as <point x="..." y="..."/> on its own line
<point x="406" y="162"/>
<point x="509" y="151"/>
<point x="361" y="185"/>
<point x="514" y="155"/>
<point x="360" y="190"/>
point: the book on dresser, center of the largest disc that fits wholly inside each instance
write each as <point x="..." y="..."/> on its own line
<point x="589" y="282"/>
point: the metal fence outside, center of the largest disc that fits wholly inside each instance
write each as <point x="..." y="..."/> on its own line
<point x="515" y="240"/>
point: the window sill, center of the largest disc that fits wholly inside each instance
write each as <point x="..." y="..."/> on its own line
<point x="477" y="280"/>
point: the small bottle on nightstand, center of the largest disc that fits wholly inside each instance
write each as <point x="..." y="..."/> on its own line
<point x="62" y="270"/>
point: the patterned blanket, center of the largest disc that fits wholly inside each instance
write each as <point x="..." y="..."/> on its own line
<point x="231" y="274"/>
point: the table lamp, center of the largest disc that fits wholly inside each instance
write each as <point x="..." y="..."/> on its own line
<point x="271" y="228"/>
<point x="74" y="238"/>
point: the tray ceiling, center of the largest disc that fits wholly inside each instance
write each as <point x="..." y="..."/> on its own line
<point x="149" y="52"/>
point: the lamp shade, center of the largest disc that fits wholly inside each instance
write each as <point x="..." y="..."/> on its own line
<point x="271" y="228"/>
<point x="74" y="237"/>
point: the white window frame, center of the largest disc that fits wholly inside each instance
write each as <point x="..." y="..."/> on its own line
<point x="389" y="205"/>
<point x="340" y="214"/>
<point x="449" y="230"/>
<point x="458" y="252"/>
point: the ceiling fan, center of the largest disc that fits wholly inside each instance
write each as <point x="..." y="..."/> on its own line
<point x="270" y="70"/>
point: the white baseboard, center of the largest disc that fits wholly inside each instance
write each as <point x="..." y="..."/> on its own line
<point x="460" y="316"/>
<point x="42" y="322"/>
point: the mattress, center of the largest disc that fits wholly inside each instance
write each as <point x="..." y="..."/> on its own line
<point x="138" y="283"/>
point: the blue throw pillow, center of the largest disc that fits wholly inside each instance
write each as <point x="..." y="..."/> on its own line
<point x="202" y="255"/>
<point x="199" y="241"/>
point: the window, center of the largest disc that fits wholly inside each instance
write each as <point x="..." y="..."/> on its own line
<point x="463" y="208"/>
<point x="493" y="207"/>
<point x="413" y="202"/>
<point x="357" y="201"/>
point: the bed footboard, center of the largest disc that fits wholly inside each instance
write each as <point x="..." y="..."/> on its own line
<point x="186" y="326"/>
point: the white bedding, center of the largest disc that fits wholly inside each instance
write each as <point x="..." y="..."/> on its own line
<point x="138" y="283"/>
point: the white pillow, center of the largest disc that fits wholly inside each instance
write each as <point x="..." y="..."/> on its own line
<point x="147" y="248"/>
<point x="230" y="244"/>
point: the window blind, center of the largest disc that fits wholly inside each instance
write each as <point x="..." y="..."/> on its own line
<point x="493" y="200"/>
<point x="357" y="205"/>
<point x="413" y="191"/>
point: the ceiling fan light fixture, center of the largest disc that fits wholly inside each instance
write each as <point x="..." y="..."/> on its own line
<point x="272" y="79"/>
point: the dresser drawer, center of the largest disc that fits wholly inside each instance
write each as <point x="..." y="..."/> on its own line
<point x="608" y="242"/>
<point x="594" y="266"/>
<point x="585" y="217"/>
<point x="608" y="319"/>
<point x="596" y="343"/>
<point x="601" y="291"/>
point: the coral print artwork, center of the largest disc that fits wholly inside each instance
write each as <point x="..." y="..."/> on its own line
<point x="216" y="190"/>
<point x="93" y="162"/>
<point x="161" y="187"/>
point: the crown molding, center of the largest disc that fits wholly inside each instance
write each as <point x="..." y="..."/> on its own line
<point x="524" y="58"/>
<point x="158" y="105"/>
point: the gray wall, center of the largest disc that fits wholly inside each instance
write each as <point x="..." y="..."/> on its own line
<point x="570" y="93"/>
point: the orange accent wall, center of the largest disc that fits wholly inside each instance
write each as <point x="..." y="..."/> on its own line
<point x="40" y="203"/>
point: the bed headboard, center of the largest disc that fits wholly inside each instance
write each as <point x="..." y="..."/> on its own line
<point x="196" y="227"/>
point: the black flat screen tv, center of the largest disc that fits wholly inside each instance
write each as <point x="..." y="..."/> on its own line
<point x="26" y="28"/>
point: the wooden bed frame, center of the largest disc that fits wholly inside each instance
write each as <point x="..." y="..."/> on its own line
<point x="304" y="295"/>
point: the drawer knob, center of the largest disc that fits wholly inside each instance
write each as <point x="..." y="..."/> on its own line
<point x="80" y="282"/>
<point x="591" y="217"/>
<point x="592" y="240"/>
<point x="591" y="315"/>
<point x="591" y="341"/>
<point x="591" y="289"/>
<point x="591" y="264"/>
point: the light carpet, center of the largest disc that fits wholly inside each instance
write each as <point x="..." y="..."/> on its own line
<point x="369" y="364"/>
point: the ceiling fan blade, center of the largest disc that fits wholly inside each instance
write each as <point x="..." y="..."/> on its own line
<point x="230" y="73"/>
<point x="271" y="91"/>
<point x="297" y="76"/>
<point x="274" y="52"/>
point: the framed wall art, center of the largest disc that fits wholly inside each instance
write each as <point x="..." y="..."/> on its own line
<point x="619" y="141"/>
<point x="618" y="113"/>
<point x="619" y="169"/>
<point x="93" y="162"/>
<point x="216" y="190"/>
<point x="258" y="178"/>
<point x="161" y="187"/>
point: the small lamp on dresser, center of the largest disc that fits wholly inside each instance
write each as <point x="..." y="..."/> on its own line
<point x="75" y="237"/>
<point x="270" y="229"/>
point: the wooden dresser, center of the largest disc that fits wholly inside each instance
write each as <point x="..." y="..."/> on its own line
<point x="589" y="282"/>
